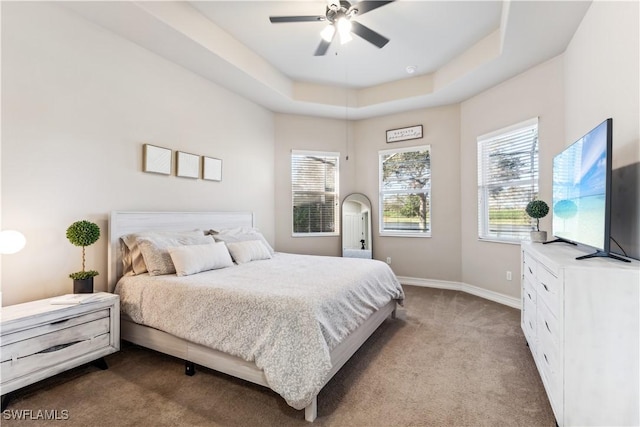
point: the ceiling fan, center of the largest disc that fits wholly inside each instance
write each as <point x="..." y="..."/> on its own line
<point x="339" y="15"/>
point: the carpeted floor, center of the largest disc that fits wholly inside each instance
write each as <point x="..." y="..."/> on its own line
<point x="455" y="360"/>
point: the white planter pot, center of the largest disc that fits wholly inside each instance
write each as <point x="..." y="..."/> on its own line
<point x="539" y="236"/>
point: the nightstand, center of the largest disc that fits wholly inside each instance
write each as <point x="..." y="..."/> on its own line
<point x="39" y="339"/>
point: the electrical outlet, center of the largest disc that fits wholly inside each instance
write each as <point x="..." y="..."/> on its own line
<point x="508" y="275"/>
<point x="389" y="260"/>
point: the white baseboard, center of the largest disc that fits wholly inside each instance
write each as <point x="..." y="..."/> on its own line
<point x="459" y="286"/>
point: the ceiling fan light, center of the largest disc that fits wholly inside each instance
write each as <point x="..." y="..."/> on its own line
<point x="344" y="29"/>
<point x="328" y="32"/>
<point x="344" y="25"/>
<point x="345" y="37"/>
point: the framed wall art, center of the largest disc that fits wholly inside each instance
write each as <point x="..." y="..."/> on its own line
<point x="187" y="165"/>
<point x="211" y="169"/>
<point x="403" y="134"/>
<point x="156" y="159"/>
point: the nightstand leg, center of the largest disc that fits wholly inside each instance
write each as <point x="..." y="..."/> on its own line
<point x="189" y="368"/>
<point x="100" y="363"/>
<point x="5" y="400"/>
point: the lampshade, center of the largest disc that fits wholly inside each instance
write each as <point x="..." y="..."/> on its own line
<point x="344" y="30"/>
<point x="11" y="241"/>
<point x="328" y="32"/>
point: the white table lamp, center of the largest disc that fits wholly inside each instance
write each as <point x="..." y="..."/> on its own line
<point x="11" y="241"/>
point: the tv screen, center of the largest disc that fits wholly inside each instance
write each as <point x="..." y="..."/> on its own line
<point x="582" y="190"/>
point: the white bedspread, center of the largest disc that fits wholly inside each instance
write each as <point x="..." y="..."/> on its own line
<point x="284" y="314"/>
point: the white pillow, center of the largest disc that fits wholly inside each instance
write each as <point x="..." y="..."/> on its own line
<point x="156" y="255"/>
<point x="132" y="259"/>
<point x="240" y="234"/>
<point x="248" y="250"/>
<point x="196" y="258"/>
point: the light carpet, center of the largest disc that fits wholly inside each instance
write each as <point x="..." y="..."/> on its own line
<point x="454" y="360"/>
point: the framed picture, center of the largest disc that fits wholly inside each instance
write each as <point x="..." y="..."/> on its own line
<point x="403" y="134"/>
<point x="211" y="168"/>
<point x="187" y="165"/>
<point x="156" y="159"/>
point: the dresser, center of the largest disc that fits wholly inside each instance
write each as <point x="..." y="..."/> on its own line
<point x="581" y="320"/>
<point x="39" y="339"/>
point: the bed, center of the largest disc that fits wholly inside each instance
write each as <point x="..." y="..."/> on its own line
<point x="208" y="318"/>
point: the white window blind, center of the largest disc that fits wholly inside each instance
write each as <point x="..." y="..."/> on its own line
<point x="314" y="185"/>
<point x="507" y="181"/>
<point x="405" y="191"/>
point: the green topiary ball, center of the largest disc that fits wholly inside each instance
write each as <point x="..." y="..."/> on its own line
<point x="83" y="233"/>
<point x="537" y="209"/>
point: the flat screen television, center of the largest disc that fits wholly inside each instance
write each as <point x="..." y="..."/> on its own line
<point x="582" y="192"/>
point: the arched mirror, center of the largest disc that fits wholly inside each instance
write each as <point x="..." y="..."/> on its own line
<point x="356" y="226"/>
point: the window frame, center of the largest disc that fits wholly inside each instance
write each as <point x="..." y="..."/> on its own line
<point x="381" y="192"/>
<point x="484" y="232"/>
<point x="336" y="193"/>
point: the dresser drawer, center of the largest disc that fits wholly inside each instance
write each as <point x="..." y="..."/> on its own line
<point x="549" y="346"/>
<point x="529" y="292"/>
<point x="548" y="326"/>
<point x="529" y="267"/>
<point x="551" y="376"/>
<point x="529" y="326"/>
<point x="550" y="363"/>
<point x="549" y="290"/>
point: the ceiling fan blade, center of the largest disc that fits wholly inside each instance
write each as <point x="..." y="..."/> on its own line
<point x="369" y="5"/>
<point x="368" y="34"/>
<point x="284" y="19"/>
<point x="322" y="48"/>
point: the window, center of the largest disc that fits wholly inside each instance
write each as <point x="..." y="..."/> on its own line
<point x="507" y="181"/>
<point x="405" y="191"/>
<point x="314" y="186"/>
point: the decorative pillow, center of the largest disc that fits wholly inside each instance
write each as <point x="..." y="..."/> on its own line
<point x="196" y="258"/>
<point x="155" y="253"/>
<point x="132" y="259"/>
<point x="248" y="250"/>
<point x="240" y="234"/>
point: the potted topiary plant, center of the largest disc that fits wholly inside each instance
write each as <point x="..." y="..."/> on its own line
<point x="537" y="209"/>
<point x="83" y="233"/>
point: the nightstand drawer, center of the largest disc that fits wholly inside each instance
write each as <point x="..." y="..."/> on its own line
<point x="51" y="327"/>
<point x="58" y="339"/>
<point x="45" y="359"/>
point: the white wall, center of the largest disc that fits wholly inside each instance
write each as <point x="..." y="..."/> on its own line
<point x="315" y="134"/>
<point x="602" y="77"/>
<point x="438" y="256"/>
<point x="537" y="92"/>
<point x="77" y="104"/>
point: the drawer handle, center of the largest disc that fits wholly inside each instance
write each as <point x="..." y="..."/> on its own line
<point x="547" y="325"/>
<point x="58" y="347"/>
<point x="530" y="270"/>
<point x="530" y="324"/>
<point x="529" y="295"/>
<point x="545" y="287"/>
<point x="59" y="321"/>
<point x="545" y="358"/>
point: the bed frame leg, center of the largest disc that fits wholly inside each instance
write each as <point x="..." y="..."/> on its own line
<point x="189" y="368"/>
<point x="311" y="411"/>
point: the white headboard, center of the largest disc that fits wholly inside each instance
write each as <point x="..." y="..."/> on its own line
<point x="122" y="223"/>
